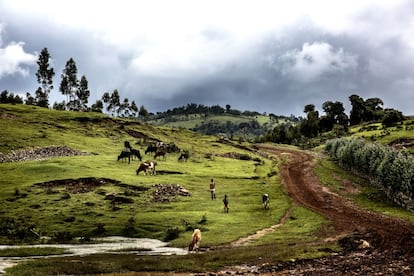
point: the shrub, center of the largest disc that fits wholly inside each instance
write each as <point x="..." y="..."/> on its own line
<point x="172" y="233"/>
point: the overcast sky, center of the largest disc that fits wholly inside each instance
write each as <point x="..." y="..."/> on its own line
<point x="266" y="56"/>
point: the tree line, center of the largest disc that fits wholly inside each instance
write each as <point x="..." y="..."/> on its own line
<point x="75" y="90"/>
<point x="335" y="120"/>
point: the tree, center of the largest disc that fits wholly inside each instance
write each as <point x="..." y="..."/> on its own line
<point x="228" y="107"/>
<point x="5" y="97"/>
<point x="29" y="99"/>
<point x="114" y="103"/>
<point x="334" y="115"/>
<point x="143" y="112"/>
<point x="392" y="117"/>
<point x="309" y="127"/>
<point x="357" y="112"/>
<point x="83" y="93"/>
<point x="134" y="109"/>
<point x="97" y="106"/>
<point x="69" y="84"/>
<point x="44" y="76"/>
<point x="106" y="98"/>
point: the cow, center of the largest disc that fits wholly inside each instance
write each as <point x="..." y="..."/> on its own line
<point x="125" y="154"/>
<point x="195" y="241"/>
<point x="160" y="153"/>
<point x="136" y="153"/>
<point x="147" y="165"/>
<point x="151" y="149"/>
<point x="184" y="156"/>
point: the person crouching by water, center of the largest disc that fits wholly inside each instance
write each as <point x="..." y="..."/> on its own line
<point x="213" y="189"/>
<point x="226" y="204"/>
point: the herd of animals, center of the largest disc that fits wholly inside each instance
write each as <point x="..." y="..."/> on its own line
<point x="159" y="150"/>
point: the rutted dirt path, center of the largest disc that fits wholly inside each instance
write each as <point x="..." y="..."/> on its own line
<point x="391" y="240"/>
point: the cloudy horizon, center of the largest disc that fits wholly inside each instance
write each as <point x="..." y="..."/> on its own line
<point x="260" y="56"/>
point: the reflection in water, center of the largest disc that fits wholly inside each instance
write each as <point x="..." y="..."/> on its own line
<point x="102" y="245"/>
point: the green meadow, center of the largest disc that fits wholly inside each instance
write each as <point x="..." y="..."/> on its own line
<point x="68" y="211"/>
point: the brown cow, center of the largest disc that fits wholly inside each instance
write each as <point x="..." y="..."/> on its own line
<point x="148" y="165"/>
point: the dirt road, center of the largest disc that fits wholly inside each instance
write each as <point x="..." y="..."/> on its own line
<point x="391" y="240"/>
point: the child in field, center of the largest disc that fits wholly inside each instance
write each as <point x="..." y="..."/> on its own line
<point x="226" y="204"/>
<point x="213" y="189"/>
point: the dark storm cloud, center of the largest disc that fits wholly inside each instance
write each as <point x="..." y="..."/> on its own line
<point x="278" y="71"/>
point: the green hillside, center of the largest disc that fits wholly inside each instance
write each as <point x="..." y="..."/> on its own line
<point x="31" y="195"/>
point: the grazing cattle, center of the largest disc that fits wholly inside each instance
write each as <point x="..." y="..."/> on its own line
<point x="183" y="157"/>
<point x="148" y="165"/>
<point x="151" y="149"/>
<point x="195" y="241"/>
<point x="160" y="153"/>
<point x="265" y="201"/>
<point x="136" y="153"/>
<point x="125" y="154"/>
<point x="127" y="145"/>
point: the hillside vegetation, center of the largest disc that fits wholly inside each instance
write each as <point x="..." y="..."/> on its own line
<point x="67" y="197"/>
<point x="82" y="190"/>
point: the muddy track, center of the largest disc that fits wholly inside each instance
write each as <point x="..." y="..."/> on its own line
<point x="391" y="239"/>
<point x="304" y="187"/>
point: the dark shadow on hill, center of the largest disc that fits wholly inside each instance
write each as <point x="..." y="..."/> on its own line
<point x="85" y="185"/>
<point x="162" y="172"/>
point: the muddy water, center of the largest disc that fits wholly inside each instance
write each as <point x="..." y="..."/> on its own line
<point x="101" y="245"/>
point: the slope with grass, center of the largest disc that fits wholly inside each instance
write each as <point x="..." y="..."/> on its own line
<point x="94" y="194"/>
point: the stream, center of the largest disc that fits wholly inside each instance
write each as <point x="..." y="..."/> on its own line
<point x="113" y="245"/>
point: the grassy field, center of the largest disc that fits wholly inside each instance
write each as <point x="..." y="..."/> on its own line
<point x="56" y="210"/>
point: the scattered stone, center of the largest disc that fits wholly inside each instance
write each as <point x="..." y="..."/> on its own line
<point x="39" y="153"/>
<point x="164" y="193"/>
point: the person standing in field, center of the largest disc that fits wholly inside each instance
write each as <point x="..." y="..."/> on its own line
<point x="226" y="204"/>
<point x="213" y="189"/>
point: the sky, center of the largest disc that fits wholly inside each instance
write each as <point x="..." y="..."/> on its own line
<point x="266" y="56"/>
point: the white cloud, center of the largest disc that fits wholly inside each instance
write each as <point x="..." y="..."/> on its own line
<point x="313" y="61"/>
<point x="13" y="59"/>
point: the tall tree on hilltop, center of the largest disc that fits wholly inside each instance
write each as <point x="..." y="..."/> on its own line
<point x="44" y="76"/>
<point x="83" y="93"/>
<point x="115" y="102"/>
<point x="309" y="127"/>
<point x="69" y="84"/>
<point x="143" y="112"/>
<point x="134" y="109"/>
<point x="106" y="99"/>
<point x="357" y="112"/>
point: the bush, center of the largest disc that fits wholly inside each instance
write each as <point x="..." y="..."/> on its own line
<point x="172" y="234"/>
<point x="392" y="169"/>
